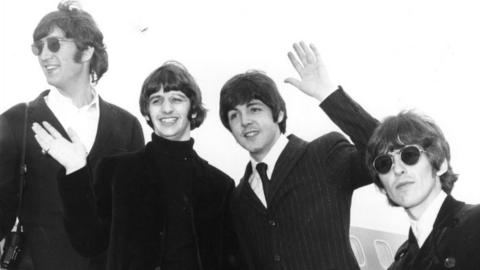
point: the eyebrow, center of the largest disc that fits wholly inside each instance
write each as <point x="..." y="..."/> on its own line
<point x="254" y="102"/>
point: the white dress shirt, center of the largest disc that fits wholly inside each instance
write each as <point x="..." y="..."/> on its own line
<point x="422" y="227"/>
<point x="270" y="159"/>
<point x="83" y="120"/>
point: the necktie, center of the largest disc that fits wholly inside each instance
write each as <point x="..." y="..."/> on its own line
<point x="262" y="171"/>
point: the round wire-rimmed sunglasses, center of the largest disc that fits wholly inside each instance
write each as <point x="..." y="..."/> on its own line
<point x="409" y="154"/>
<point x="53" y="44"/>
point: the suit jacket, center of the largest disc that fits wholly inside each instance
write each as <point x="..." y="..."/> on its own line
<point x="42" y="213"/>
<point x="128" y="214"/>
<point x="454" y="242"/>
<point x="306" y="224"/>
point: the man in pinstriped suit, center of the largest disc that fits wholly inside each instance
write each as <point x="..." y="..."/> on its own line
<point x="292" y="207"/>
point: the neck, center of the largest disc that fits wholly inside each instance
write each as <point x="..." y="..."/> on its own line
<point x="416" y="212"/>
<point x="78" y="88"/>
<point x="79" y="92"/>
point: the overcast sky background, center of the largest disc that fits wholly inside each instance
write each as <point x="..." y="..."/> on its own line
<point x="388" y="55"/>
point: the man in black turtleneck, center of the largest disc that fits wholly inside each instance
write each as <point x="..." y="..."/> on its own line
<point x="163" y="207"/>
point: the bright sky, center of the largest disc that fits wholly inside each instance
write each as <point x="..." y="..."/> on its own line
<point x="388" y="55"/>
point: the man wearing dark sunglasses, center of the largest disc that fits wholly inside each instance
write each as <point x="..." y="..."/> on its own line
<point x="71" y="54"/>
<point x="409" y="159"/>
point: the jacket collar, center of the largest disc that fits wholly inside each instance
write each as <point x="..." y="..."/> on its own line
<point x="289" y="157"/>
<point x="286" y="162"/>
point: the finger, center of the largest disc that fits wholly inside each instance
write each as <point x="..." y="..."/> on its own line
<point x="293" y="82"/>
<point x="308" y="53"/>
<point x="40" y="131"/>
<point x="55" y="134"/>
<point x="300" y="53"/>
<point x="315" y="52"/>
<point x="43" y="144"/>
<point x="73" y="135"/>
<point x="296" y="64"/>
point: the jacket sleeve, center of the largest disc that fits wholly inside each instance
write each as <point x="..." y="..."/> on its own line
<point x="233" y="258"/>
<point x="87" y="229"/>
<point x="9" y="176"/>
<point x="358" y="124"/>
<point x="137" y="140"/>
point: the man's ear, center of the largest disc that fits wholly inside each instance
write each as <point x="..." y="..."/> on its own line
<point x="87" y="53"/>
<point x="280" y="117"/>
<point x="443" y="167"/>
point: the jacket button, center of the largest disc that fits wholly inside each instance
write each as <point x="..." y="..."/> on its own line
<point x="449" y="262"/>
<point x="272" y="223"/>
<point x="276" y="258"/>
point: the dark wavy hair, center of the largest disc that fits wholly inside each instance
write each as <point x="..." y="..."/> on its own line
<point x="408" y="128"/>
<point x="172" y="75"/>
<point x="244" y="87"/>
<point x="79" y="26"/>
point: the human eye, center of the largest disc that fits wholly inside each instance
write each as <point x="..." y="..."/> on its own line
<point x="255" y="109"/>
<point x="177" y="99"/>
<point x="155" y="100"/>
<point x="232" y="115"/>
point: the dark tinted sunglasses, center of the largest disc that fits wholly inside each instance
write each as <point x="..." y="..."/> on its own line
<point x="409" y="155"/>
<point x="53" y="44"/>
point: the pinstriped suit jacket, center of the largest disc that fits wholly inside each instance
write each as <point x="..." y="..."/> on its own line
<point x="306" y="225"/>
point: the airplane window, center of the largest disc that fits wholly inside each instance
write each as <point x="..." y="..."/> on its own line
<point x="358" y="250"/>
<point x="384" y="253"/>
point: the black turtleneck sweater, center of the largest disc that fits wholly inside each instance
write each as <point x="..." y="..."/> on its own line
<point x="174" y="160"/>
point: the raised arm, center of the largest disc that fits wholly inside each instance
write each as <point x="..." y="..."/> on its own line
<point x="87" y="231"/>
<point x="345" y="159"/>
<point x="72" y="155"/>
<point x="314" y="79"/>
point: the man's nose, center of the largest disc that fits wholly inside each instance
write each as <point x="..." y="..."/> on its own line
<point x="45" y="53"/>
<point x="245" y="119"/>
<point x="167" y="106"/>
<point x="398" y="166"/>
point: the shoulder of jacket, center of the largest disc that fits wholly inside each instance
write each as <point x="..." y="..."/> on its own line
<point x="327" y="141"/>
<point x="215" y="173"/>
<point x="117" y="109"/>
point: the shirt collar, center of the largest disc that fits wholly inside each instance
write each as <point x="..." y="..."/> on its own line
<point x="55" y="98"/>
<point x="422" y="227"/>
<point x="272" y="156"/>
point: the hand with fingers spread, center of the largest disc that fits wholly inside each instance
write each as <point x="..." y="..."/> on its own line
<point x="314" y="79"/>
<point x="71" y="154"/>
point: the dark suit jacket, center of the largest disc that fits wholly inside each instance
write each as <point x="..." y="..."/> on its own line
<point x="42" y="213"/>
<point x="127" y="188"/>
<point x="454" y="242"/>
<point x="306" y="225"/>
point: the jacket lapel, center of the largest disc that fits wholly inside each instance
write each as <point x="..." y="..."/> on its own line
<point x="431" y="252"/>
<point x="244" y="192"/>
<point x="445" y="216"/>
<point x="285" y="163"/>
<point x="39" y="112"/>
<point x="104" y="129"/>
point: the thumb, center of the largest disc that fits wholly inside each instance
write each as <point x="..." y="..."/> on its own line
<point x="293" y="82"/>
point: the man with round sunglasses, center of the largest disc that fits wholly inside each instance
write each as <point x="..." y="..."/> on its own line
<point x="409" y="158"/>
<point x="71" y="53"/>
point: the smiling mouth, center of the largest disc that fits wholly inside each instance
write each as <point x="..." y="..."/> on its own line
<point x="50" y="68"/>
<point x="168" y="120"/>
<point x="250" y="133"/>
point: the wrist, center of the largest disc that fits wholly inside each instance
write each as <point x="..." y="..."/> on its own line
<point x="75" y="166"/>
